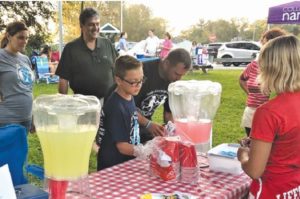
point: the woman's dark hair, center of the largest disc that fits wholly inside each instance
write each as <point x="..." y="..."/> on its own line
<point x="46" y="50"/>
<point x="122" y="34"/>
<point x="12" y="29"/>
<point x="86" y="14"/>
<point x="168" y="35"/>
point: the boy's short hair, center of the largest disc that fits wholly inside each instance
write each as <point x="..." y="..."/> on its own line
<point x="125" y="63"/>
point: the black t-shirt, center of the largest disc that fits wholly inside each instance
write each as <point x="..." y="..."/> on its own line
<point x="118" y="123"/>
<point x="154" y="91"/>
<point x="89" y="72"/>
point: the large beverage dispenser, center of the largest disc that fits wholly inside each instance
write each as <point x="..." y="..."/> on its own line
<point x="66" y="127"/>
<point x="194" y="105"/>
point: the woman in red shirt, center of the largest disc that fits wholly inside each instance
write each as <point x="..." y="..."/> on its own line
<point x="273" y="160"/>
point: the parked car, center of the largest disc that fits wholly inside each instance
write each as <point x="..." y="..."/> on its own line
<point x="212" y="49"/>
<point x="238" y="49"/>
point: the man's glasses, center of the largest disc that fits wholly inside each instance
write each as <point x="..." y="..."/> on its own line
<point x="135" y="83"/>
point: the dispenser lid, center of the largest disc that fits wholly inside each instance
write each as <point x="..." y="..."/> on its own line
<point x="66" y="104"/>
<point x="195" y="86"/>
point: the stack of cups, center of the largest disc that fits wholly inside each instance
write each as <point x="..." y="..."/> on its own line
<point x="188" y="162"/>
<point x="172" y="149"/>
<point x="165" y="162"/>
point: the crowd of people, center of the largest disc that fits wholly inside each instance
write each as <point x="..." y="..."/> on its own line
<point x="153" y="46"/>
<point x="131" y="91"/>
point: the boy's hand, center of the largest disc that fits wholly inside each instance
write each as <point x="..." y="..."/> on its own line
<point x="156" y="129"/>
<point x="143" y="152"/>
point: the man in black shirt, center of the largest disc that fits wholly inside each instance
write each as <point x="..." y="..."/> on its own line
<point x="87" y="62"/>
<point x="154" y="92"/>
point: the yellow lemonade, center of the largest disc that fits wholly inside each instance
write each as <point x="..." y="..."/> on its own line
<point x="66" y="154"/>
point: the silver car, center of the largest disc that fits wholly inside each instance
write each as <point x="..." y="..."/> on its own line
<point x="238" y="49"/>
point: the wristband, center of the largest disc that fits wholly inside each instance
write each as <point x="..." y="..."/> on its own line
<point x="148" y="124"/>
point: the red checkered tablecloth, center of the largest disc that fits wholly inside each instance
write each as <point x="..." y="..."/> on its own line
<point x="131" y="179"/>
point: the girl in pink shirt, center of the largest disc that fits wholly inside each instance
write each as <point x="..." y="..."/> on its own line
<point x="166" y="46"/>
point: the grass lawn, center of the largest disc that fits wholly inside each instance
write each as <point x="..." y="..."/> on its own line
<point x="226" y="126"/>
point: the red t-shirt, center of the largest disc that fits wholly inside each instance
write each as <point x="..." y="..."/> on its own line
<point x="255" y="97"/>
<point x="278" y="122"/>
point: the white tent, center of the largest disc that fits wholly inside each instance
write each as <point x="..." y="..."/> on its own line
<point x="108" y="28"/>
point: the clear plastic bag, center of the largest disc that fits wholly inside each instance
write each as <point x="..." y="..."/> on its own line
<point x="164" y="161"/>
<point x="173" y="159"/>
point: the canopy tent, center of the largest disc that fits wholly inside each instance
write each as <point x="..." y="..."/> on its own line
<point x="288" y="13"/>
<point x="108" y="28"/>
<point x="109" y="31"/>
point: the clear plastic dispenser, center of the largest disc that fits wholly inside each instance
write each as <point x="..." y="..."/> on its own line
<point x="66" y="126"/>
<point x="194" y="105"/>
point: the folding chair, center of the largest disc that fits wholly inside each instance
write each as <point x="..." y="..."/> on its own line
<point x="42" y="70"/>
<point x="13" y="151"/>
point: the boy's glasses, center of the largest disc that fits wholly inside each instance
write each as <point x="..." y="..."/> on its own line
<point x="135" y="83"/>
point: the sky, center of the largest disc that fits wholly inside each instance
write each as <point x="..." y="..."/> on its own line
<point x="182" y="14"/>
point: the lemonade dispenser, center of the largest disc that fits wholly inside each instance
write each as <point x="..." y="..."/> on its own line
<point x="194" y="105"/>
<point x="66" y="126"/>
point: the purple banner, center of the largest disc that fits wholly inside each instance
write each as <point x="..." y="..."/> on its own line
<point x="288" y="13"/>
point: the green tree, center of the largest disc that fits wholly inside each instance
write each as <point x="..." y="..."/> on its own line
<point x="234" y="29"/>
<point x="70" y="14"/>
<point x="35" y="14"/>
<point x="255" y="30"/>
<point x="222" y="29"/>
<point x="196" y="32"/>
<point x="109" y="13"/>
<point x="138" y="20"/>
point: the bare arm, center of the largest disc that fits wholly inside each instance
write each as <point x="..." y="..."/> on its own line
<point x="125" y="148"/>
<point x="154" y="128"/>
<point x="95" y="147"/>
<point x="142" y="120"/>
<point x="254" y="159"/>
<point x="145" y="46"/>
<point x="125" y="47"/>
<point x="63" y="86"/>
<point x="243" y="84"/>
